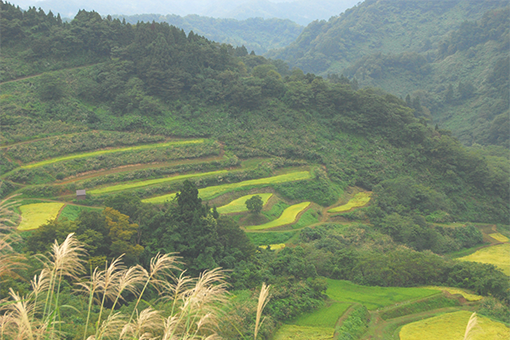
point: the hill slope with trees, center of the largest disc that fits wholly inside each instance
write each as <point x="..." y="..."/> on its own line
<point x="450" y="55"/>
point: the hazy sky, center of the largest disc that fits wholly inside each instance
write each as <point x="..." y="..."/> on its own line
<point x="301" y="11"/>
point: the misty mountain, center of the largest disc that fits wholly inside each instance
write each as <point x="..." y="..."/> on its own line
<point x="256" y="34"/>
<point x="301" y="11"/>
<point x="450" y="57"/>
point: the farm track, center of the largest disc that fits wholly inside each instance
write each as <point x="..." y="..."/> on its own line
<point x="43" y="138"/>
<point x="39" y="74"/>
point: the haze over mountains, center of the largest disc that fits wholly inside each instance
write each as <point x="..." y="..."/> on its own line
<point x="300" y="11"/>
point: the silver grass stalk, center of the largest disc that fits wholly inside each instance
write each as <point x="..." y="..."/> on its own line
<point x="472" y="323"/>
<point x="263" y="300"/>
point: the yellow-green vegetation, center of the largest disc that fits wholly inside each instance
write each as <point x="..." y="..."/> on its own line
<point x="276" y="246"/>
<point x="210" y="192"/>
<point x="132" y="185"/>
<point x="239" y="205"/>
<point x="498" y="255"/>
<point x="499" y="237"/>
<point x="326" y="316"/>
<point x="454" y="291"/>
<point x="452" y="326"/>
<point x="359" y="200"/>
<point x="373" y="297"/>
<point x="294" y="332"/>
<point x="36" y="214"/>
<point x="288" y="216"/>
<point x="102" y="152"/>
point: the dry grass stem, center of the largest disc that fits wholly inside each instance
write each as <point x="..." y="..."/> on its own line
<point x="263" y="300"/>
<point x="472" y="323"/>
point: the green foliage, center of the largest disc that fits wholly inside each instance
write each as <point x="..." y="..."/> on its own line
<point x="254" y="204"/>
<point x="265" y="238"/>
<point x="355" y="324"/>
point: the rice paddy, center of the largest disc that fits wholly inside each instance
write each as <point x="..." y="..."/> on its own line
<point x="239" y="205"/>
<point x="212" y="191"/>
<point x="498" y="255"/>
<point x="133" y="185"/>
<point x="326" y="316"/>
<point x="359" y="200"/>
<point x="455" y="291"/>
<point x="277" y="246"/>
<point x="373" y="297"/>
<point x="294" y="332"/>
<point x="287" y="217"/>
<point x="452" y="326"/>
<point x="36" y="214"/>
<point x="499" y="237"/>
<point x="102" y="152"/>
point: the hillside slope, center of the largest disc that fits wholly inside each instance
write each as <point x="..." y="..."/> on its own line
<point x="424" y="49"/>
<point x="256" y="34"/>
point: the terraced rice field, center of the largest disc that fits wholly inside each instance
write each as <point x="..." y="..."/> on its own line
<point x="287" y="217"/>
<point x="374" y="297"/>
<point x="36" y="214"/>
<point x="359" y="200"/>
<point x="277" y="246"/>
<point x="452" y="326"/>
<point x="499" y="237"/>
<point x="239" y="205"/>
<point x="133" y="185"/>
<point x="294" y="332"/>
<point x="454" y="291"/>
<point x="326" y="316"/>
<point x="213" y="191"/>
<point x="102" y="152"/>
<point x="498" y="255"/>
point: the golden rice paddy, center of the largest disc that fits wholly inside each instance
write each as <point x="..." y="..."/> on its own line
<point x="452" y="326"/>
<point x="498" y="255"/>
<point x="36" y="214"/>
<point x="359" y="200"/>
<point x="455" y="291"/>
<point x="239" y="205"/>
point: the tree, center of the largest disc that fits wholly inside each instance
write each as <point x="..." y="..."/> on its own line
<point x="254" y="204"/>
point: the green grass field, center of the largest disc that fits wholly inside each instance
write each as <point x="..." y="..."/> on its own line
<point x="36" y="214"/>
<point x="102" y="152"/>
<point x="133" y="185"/>
<point x="239" y="205"/>
<point x="498" y="255"/>
<point x="288" y="216"/>
<point x="288" y="332"/>
<point x="373" y="297"/>
<point x="211" y="192"/>
<point x="359" y="200"/>
<point x="452" y="326"/>
<point x="326" y="316"/>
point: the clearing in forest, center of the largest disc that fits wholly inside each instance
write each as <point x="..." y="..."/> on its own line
<point x="102" y="152"/>
<point x="133" y="185"/>
<point x="497" y="255"/>
<point x="373" y="297"/>
<point x="359" y="200"/>
<point x="239" y="205"/>
<point x="287" y="217"/>
<point x="213" y="191"/>
<point x="452" y="326"/>
<point x="36" y="214"/>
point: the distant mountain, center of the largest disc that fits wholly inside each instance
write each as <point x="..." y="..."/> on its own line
<point x="300" y="11"/>
<point x="450" y="55"/>
<point x="256" y="34"/>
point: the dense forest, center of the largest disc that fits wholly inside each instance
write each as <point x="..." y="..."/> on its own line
<point x="256" y="34"/>
<point x="451" y="56"/>
<point x="72" y="88"/>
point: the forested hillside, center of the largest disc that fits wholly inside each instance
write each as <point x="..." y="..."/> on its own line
<point x="169" y="133"/>
<point x="256" y="34"/>
<point x="451" y="56"/>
